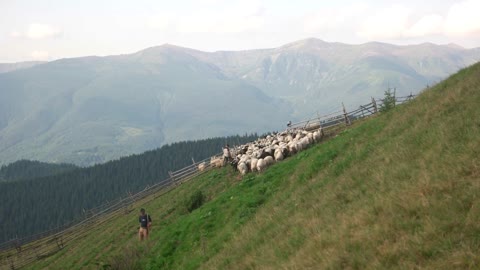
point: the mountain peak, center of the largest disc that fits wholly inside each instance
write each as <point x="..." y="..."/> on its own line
<point x="454" y="46"/>
<point x="164" y="47"/>
<point x="307" y="43"/>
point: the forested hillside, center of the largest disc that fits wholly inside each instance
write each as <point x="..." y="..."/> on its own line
<point x="38" y="204"/>
<point x="28" y="169"/>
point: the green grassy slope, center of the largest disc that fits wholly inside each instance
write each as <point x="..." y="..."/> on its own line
<point x="400" y="190"/>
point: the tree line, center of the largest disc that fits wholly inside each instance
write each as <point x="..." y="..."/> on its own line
<point x="41" y="203"/>
<point x="28" y="169"/>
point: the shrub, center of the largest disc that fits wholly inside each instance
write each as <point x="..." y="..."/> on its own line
<point x="129" y="259"/>
<point x="388" y="101"/>
<point x="195" y="201"/>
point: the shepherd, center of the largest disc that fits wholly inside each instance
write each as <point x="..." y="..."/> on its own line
<point x="145" y="224"/>
<point x="226" y="154"/>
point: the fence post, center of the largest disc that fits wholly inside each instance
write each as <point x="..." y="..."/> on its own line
<point x="375" y="109"/>
<point x="125" y="206"/>
<point x="320" y="128"/>
<point x="35" y="250"/>
<point x="394" y="96"/>
<point x="12" y="266"/>
<point x="172" y="178"/>
<point x="18" y="245"/>
<point x="59" y="242"/>
<point x="347" y="120"/>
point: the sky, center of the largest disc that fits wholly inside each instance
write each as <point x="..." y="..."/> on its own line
<point x="48" y="30"/>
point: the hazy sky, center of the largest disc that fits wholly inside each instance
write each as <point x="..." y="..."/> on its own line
<point x="47" y="30"/>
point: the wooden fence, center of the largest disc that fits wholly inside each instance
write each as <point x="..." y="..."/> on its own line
<point x="18" y="253"/>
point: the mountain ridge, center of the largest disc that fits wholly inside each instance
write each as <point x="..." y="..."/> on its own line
<point x="93" y="109"/>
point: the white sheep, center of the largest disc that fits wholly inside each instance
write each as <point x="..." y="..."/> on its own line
<point x="292" y="148"/>
<point x="253" y="164"/>
<point x="305" y="142"/>
<point x="278" y="154"/>
<point x="310" y="136"/>
<point x="216" y="162"/>
<point x="269" y="160"/>
<point x="242" y="168"/>
<point x="261" y="164"/>
<point x="201" y="166"/>
<point x="316" y="136"/>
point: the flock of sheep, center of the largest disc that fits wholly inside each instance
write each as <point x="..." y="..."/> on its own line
<point x="258" y="155"/>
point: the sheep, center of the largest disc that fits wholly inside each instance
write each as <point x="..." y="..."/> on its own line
<point x="317" y="136"/>
<point x="253" y="164"/>
<point x="263" y="152"/>
<point x="299" y="146"/>
<point x="242" y="168"/>
<point x="292" y="148"/>
<point x="310" y="136"/>
<point x="201" y="166"/>
<point x="216" y="162"/>
<point x="305" y="142"/>
<point x="269" y="160"/>
<point x="278" y="154"/>
<point x="261" y="164"/>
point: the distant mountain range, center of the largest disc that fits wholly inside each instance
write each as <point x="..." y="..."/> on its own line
<point x="7" y="67"/>
<point x="93" y="109"/>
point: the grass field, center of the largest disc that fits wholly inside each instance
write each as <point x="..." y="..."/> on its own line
<point x="397" y="191"/>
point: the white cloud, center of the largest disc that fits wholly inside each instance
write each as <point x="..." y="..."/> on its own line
<point x="162" y="22"/>
<point x="219" y="24"/>
<point x="427" y="25"/>
<point x="40" y="55"/>
<point x="396" y="22"/>
<point x="463" y="18"/>
<point x="328" y="19"/>
<point x="390" y="22"/>
<point x="16" y="34"/>
<point x="235" y="18"/>
<point x="38" y="31"/>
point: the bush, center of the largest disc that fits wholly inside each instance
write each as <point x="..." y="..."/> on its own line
<point x="388" y="101"/>
<point x="196" y="200"/>
<point x="128" y="260"/>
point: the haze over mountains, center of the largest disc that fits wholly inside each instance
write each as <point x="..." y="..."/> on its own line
<point x="7" y="67"/>
<point x="93" y="109"/>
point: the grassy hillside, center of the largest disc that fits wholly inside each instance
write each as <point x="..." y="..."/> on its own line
<point x="392" y="192"/>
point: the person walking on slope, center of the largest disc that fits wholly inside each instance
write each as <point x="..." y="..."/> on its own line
<point x="226" y="154"/>
<point x="145" y="224"/>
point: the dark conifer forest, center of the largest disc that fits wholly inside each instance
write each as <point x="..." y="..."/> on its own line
<point x="29" y="169"/>
<point x="57" y="197"/>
